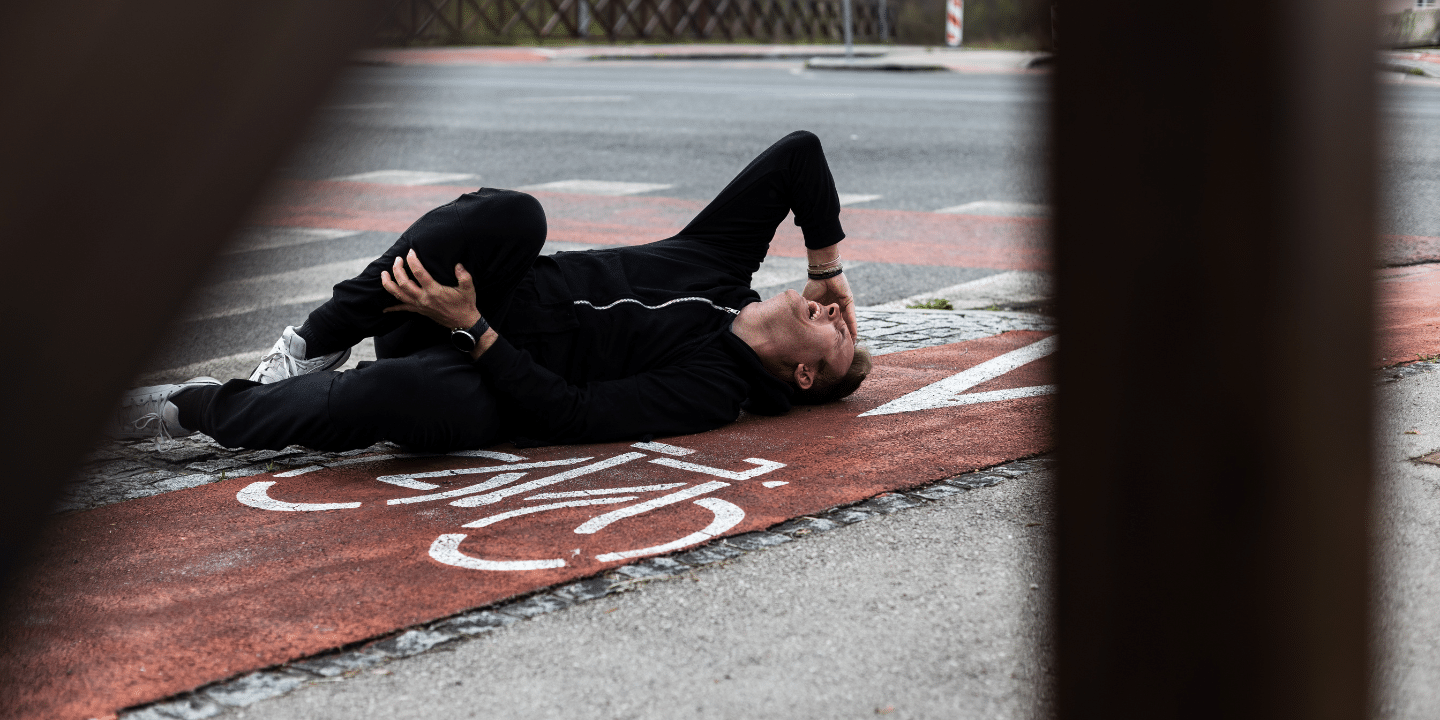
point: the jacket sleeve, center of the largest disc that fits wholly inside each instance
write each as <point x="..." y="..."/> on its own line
<point x="700" y="394"/>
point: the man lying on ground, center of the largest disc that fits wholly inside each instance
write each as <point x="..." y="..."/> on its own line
<point x="492" y="341"/>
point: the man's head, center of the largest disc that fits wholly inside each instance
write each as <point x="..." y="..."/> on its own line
<point x="805" y="344"/>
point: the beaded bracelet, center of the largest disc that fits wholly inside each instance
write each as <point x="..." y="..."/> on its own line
<point x="826" y="275"/>
<point x="824" y="265"/>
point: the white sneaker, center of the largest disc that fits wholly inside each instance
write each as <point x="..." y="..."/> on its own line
<point x="287" y="360"/>
<point x="147" y="412"/>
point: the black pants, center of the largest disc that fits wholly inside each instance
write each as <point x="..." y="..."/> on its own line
<point x="423" y="394"/>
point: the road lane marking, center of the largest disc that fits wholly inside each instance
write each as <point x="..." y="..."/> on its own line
<point x="255" y="496"/>
<point x="850" y="199"/>
<point x="492" y="519"/>
<point x="569" y="99"/>
<point x="491" y="484"/>
<point x="998" y="208"/>
<point x="595" y="187"/>
<point x="949" y="392"/>
<point x="268" y="238"/>
<point x="312" y="285"/>
<point x="598" y="523"/>
<point x="604" y="491"/>
<point x="408" y="178"/>
<point x="410" y="480"/>
<point x="663" y="449"/>
<point x="498" y="495"/>
<point x="446" y="549"/>
<point x="727" y="515"/>
<point x="765" y="467"/>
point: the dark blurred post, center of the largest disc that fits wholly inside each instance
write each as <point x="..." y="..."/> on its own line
<point x="1214" y="175"/>
<point x="133" y="135"/>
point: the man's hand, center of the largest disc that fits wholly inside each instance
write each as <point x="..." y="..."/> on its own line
<point x="452" y="307"/>
<point x="834" y="290"/>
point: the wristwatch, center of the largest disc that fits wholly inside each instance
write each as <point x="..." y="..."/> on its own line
<point x="465" y="339"/>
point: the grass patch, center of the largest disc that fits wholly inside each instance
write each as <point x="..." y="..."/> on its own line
<point x="932" y="304"/>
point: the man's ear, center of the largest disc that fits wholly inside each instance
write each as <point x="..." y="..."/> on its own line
<point x="804" y="376"/>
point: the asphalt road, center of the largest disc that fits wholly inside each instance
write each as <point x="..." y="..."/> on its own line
<point x="916" y="142"/>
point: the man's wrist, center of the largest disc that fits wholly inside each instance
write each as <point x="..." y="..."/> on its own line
<point x="486" y="340"/>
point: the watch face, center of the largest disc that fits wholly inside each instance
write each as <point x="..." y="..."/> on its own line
<point x="462" y="340"/>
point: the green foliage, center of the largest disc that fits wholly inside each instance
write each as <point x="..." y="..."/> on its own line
<point x="932" y="304"/>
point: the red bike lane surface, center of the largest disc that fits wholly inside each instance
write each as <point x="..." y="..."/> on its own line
<point x="896" y="236"/>
<point x="1407" y="314"/>
<point x="137" y="601"/>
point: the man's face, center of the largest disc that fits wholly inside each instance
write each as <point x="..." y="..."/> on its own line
<point x="810" y="333"/>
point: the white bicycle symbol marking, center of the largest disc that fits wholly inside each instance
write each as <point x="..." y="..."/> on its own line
<point x="446" y="548"/>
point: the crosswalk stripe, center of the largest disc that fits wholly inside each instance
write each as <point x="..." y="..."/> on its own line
<point x="595" y="187"/>
<point x="406" y="177"/>
<point x="268" y="238"/>
<point x="1002" y="208"/>
<point x="309" y="284"/>
<point x="852" y="199"/>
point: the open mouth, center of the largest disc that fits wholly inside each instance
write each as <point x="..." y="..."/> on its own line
<point x="814" y="310"/>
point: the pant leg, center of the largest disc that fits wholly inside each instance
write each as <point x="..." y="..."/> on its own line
<point x="790" y="175"/>
<point x="434" y="400"/>
<point x="495" y="234"/>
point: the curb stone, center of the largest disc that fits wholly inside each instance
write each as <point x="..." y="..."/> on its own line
<point x="211" y="700"/>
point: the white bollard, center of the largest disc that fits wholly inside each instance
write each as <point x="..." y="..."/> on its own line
<point x="954" y="22"/>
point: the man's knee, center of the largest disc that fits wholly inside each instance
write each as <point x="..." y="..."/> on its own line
<point x="801" y="141"/>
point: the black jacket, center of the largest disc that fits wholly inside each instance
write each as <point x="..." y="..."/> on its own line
<point x="623" y="342"/>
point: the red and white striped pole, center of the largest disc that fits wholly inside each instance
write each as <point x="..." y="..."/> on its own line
<point x="954" y="22"/>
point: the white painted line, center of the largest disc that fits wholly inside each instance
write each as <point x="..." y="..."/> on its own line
<point x="300" y="471"/>
<point x="309" y="285"/>
<point x="255" y="496"/>
<point x="765" y="467"/>
<point x="1012" y="286"/>
<point x="446" y="549"/>
<point x="595" y="187"/>
<point x="786" y="271"/>
<point x="947" y="392"/>
<point x="492" y="519"/>
<point x="595" y="524"/>
<point x="491" y="484"/>
<point x="405" y="177"/>
<point x="498" y="495"/>
<point x="774" y="483"/>
<point x="664" y="449"/>
<point x="503" y="457"/>
<point x="849" y="199"/>
<point x="570" y="99"/>
<point x="406" y="479"/>
<point x="998" y="395"/>
<point x="1000" y="208"/>
<point x="268" y="238"/>
<point x="727" y="515"/>
<point x="604" y="491"/>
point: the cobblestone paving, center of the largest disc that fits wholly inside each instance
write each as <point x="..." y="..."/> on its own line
<point x="887" y="331"/>
<point x="125" y="470"/>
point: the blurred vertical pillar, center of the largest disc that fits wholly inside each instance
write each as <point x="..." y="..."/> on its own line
<point x="133" y="135"/>
<point x="1214" y="177"/>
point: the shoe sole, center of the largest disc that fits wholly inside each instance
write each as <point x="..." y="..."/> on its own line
<point x="337" y="362"/>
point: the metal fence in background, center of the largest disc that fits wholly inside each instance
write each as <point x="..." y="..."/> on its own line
<point x="449" y="22"/>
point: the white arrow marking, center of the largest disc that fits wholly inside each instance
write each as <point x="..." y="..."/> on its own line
<point x="446" y="549"/>
<point x="255" y="496"/>
<point x="727" y="515"/>
<point x="949" y="392"/>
